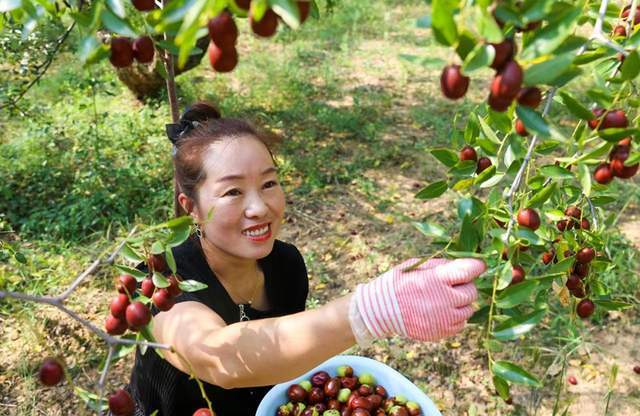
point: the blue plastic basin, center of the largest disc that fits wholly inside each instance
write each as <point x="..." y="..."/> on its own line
<point x="393" y="381"/>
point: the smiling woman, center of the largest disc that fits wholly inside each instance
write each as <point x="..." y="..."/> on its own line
<point x="248" y="329"/>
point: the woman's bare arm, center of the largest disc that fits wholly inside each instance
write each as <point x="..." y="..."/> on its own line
<point x="253" y="353"/>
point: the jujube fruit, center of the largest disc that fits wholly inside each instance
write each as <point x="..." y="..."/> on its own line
<point x="520" y="128"/>
<point x="585" y="308"/>
<point x="174" y="287"/>
<point x="517" y="274"/>
<point x="147" y="287"/>
<point x="119" y="305"/>
<point x="499" y="104"/>
<point x="483" y="163"/>
<point x="121" y="54"/>
<point x="505" y="51"/>
<point x="303" y="8"/>
<point x="202" y="412"/>
<point x="507" y="82"/>
<point x="573" y="211"/>
<point x="222" y="60"/>
<point x="573" y="282"/>
<point x="581" y="269"/>
<point x="126" y="284"/>
<point x="121" y="403"/>
<point x="468" y="153"/>
<point x="267" y="26"/>
<point x="163" y="300"/>
<point x="115" y="326"/>
<point x="143" y="50"/>
<point x="529" y="97"/>
<point x="529" y="218"/>
<point x="156" y="262"/>
<point x="50" y="372"/>
<point x="619" y="169"/>
<point x="603" y="174"/>
<point x="620" y="31"/>
<point x="296" y="393"/>
<point x="144" y="5"/>
<point x="572" y="380"/>
<point x="585" y="255"/>
<point x="138" y="315"/>
<point x="453" y="83"/>
<point x="223" y="30"/>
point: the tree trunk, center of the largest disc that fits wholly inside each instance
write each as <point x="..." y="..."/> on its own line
<point x="146" y="80"/>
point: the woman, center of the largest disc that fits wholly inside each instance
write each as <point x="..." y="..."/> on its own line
<point x="248" y="330"/>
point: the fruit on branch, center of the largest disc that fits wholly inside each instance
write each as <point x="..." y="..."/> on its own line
<point x="573" y="211"/>
<point x="267" y="26"/>
<point x="222" y="60"/>
<point x="157" y="263"/>
<point x="144" y="5"/>
<point x="498" y="104"/>
<point x="620" y="170"/>
<point x="119" y="306"/>
<point x="520" y="129"/>
<point x="531" y="26"/>
<point x="581" y="270"/>
<point x="619" y="31"/>
<point x="223" y="30"/>
<point x="50" y="372"/>
<point x="115" y="326"/>
<point x="243" y="4"/>
<point x="147" y="287"/>
<point x="468" y="153"/>
<point x="121" y="403"/>
<point x="585" y="308"/>
<point x="548" y="256"/>
<point x="611" y="119"/>
<point x="303" y="8"/>
<point x="138" y="315"/>
<point x="529" y="218"/>
<point x="506" y="84"/>
<point x="143" y="49"/>
<point x="483" y="163"/>
<point x="126" y="284"/>
<point x="585" y="255"/>
<point x="174" y="288"/>
<point x="505" y="51"/>
<point x="573" y="282"/>
<point x="579" y="292"/>
<point x="627" y="11"/>
<point x="163" y="300"/>
<point x="203" y="412"/>
<point x="517" y="274"/>
<point x="529" y="97"/>
<point x="603" y="174"/>
<point x="121" y="52"/>
<point x="584" y="224"/>
<point x="453" y="83"/>
<point x="568" y="253"/>
<point x="572" y="380"/>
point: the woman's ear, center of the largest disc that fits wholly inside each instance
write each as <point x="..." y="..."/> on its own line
<point x="187" y="204"/>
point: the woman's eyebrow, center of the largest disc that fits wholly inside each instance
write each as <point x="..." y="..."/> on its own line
<point x="237" y="177"/>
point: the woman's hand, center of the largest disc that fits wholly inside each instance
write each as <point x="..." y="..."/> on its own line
<point x="428" y="303"/>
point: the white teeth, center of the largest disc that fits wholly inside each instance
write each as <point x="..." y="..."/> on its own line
<point x="257" y="233"/>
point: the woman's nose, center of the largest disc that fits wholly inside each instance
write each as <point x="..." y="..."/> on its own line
<point x="256" y="206"/>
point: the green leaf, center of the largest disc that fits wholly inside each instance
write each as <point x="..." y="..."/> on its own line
<point x="138" y="274"/>
<point x="470" y="206"/>
<point x="575" y="107"/>
<point x="433" y="190"/>
<point x="602" y="200"/>
<point x="533" y="121"/>
<point x="157" y="247"/>
<point x="631" y="66"/>
<point x="116" y="24"/>
<point x="485" y="175"/>
<point x="92" y="400"/>
<point x="179" y="222"/>
<point x="529" y="236"/>
<point x="547" y="39"/>
<point x="504" y="279"/>
<point x="480" y="316"/>
<point x="442" y="22"/>
<point x="615" y="134"/>
<point x="178" y="235"/>
<point x="488" y="131"/>
<point x="430" y="229"/>
<point x="556" y="172"/>
<point x="171" y="261"/>
<point x="511" y="372"/>
<point x="585" y="179"/>
<point x="288" y="11"/>
<point x="446" y="156"/>
<point x="518" y="325"/>
<point x="463" y="168"/>
<point x="542" y="196"/>
<point x="633" y="159"/>
<point x="611" y="305"/>
<point x="488" y="28"/>
<point x="547" y="71"/>
<point x="466" y="43"/>
<point x="130" y="254"/>
<point x="160" y="281"/>
<point x="561" y="266"/>
<point x="516" y="294"/>
<point x="481" y="56"/>
<point x="117" y="7"/>
<point x="502" y="387"/>
<point x="468" y="239"/>
<point x="191" y="285"/>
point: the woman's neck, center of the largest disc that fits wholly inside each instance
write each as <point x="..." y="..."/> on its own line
<point x="238" y="272"/>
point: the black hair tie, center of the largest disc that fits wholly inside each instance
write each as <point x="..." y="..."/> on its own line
<point x="176" y="130"/>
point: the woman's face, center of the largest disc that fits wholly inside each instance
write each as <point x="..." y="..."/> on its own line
<point x="244" y="197"/>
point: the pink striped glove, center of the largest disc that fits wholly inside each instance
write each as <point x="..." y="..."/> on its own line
<point x="428" y="303"/>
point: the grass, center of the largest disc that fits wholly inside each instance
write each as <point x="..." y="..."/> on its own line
<point x="355" y="96"/>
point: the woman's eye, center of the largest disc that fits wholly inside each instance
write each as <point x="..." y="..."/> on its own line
<point x="270" y="184"/>
<point x="232" y="192"/>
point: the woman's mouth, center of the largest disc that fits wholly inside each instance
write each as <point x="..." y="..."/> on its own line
<point x="260" y="233"/>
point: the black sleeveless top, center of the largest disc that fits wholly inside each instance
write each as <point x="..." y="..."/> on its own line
<point x="157" y="385"/>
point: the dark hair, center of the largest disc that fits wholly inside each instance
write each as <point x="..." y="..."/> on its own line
<point x="206" y="127"/>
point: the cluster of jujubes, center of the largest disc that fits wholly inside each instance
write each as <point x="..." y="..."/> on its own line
<point x="344" y="395"/>
<point x="469" y="153"/>
<point x="615" y="167"/>
<point x="124" y="51"/>
<point x="223" y="32"/>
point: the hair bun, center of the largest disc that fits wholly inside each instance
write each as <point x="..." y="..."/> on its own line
<point x="201" y="112"/>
